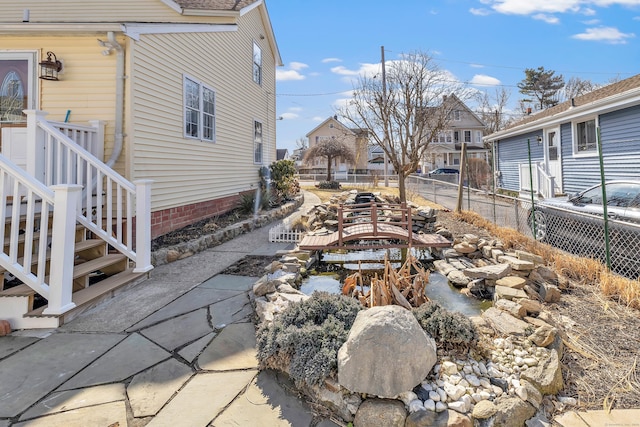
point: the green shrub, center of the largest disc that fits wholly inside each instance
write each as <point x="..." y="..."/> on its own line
<point x="247" y="202"/>
<point x="305" y="338"/>
<point x="329" y="185"/>
<point x="282" y="178"/>
<point x="450" y="329"/>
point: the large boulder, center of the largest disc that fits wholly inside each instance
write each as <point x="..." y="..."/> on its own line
<point x="512" y="412"/>
<point x="382" y="338"/>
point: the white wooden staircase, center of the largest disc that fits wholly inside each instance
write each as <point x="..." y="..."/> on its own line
<point x="73" y="237"/>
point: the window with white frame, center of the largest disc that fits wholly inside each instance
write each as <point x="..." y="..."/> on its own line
<point x="585" y="137"/>
<point x="199" y="110"/>
<point x="455" y="115"/>
<point x="478" y="137"/>
<point x="467" y="136"/>
<point x="257" y="63"/>
<point x="257" y="142"/>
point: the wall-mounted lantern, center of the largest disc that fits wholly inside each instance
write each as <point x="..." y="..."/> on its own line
<point x="50" y="68"/>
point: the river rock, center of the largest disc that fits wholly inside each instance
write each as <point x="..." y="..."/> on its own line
<point x="484" y="409"/>
<point x="458" y="279"/>
<point x="380" y="412"/>
<point x="543" y="336"/>
<point x="443" y="267"/>
<point x="515" y="282"/>
<point x="382" y="337"/>
<point x="264" y="286"/>
<point x="547" y="375"/>
<point x="512" y="412"/>
<point x="505" y="323"/>
<point x="493" y="272"/>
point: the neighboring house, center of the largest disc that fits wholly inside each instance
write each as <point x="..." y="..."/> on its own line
<point x="179" y="93"/>
<point x="444" y="151"/>
<point x="332" y="128"/>
<point x="282" y="154"/>
<point x="563" y="142"/>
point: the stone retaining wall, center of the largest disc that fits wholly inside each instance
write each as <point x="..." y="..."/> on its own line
<point x="187" y="249"/>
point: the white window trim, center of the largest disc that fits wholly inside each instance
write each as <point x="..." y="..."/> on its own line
<point x="202" y="86"/>
<point x="261" y="162"/>
<point x="253" y="63"/>
<point x="574" y="136"/>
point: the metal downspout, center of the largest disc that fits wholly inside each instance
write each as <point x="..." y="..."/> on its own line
<point x="118" y="138"/>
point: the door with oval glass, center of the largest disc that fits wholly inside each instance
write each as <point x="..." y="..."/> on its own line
<point x="552" y="155"/>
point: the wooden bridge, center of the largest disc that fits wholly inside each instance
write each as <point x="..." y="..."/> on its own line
<point x="376" y="226"/>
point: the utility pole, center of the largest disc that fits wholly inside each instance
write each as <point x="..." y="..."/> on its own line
<point x="384" y="109"/>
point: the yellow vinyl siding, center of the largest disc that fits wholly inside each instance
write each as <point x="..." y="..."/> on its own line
<point x="98" y="11"/>
<point x="186" y="170"/>
<point x="87" y="80"/>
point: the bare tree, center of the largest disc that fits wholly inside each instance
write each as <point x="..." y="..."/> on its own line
<point x="577" y="86"/>
<point x="491" y="109"/>
<point x="543" y="85"/>
<point x="330" y="149"/>
<point x="302" y="143"/>
<point x="403" y="110"/>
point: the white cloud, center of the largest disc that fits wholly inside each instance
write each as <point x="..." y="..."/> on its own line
<point x="288" y="75"/>
<point x="484" y="80"/>
<point x="297" y="66"/>
<point x="591" y="22"/>
<point x="549" y="19"/>
<point x="344" y="71"/>
<point x="289" y="116"/>
<point x="318" y="119"/>
<point x="479" y="12"/>
<point x="531" y="7"/>
<point x="604" y="34"/>
<point x="327" y="60"/>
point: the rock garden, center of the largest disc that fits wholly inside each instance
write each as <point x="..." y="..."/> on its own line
<point x="423" y="365"/>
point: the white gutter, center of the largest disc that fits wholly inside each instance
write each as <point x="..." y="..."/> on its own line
<point x="117" y="146"/>
<point x="48" y="28"/>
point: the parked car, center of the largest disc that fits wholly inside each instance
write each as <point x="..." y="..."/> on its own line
<point x="576" y="223"/>
<point x="443" y="171"/>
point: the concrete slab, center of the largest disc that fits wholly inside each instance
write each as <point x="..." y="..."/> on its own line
<point x="265" y="403"/>
<point x="203" y="398"/>
<point x="11" y="344"/>
<point x="76" y="399"/>
<point x="152" y="389"/>
<point x="617" y="417"/>
<point x="233" y="348"/>
<point x="193" y="350"/>
<point x="129" y="357"/>
<point x="178" y="331"/>
<point x="192" y="300"/>
<point x="28" y="376"/>
<point x="109" y="414"/>
<point x="229" y="311"/>
<point x="229" y="282"/>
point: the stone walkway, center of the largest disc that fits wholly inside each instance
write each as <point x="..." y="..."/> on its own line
<point x="177" y="350"/>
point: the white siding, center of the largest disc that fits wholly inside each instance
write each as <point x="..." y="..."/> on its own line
<point x="185" y="170"/>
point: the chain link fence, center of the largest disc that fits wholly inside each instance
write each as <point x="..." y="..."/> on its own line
<point x="576" y="232"/>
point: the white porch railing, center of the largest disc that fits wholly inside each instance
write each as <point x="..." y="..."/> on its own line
<point x="28" y="238"/>
<point x="543" y="183"/>
<point x="283" y="234"/>
<point x="109" y="205"/>
<point x="91" y="138"/>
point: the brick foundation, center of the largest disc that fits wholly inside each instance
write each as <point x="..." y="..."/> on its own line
<point x="165" y="221"/>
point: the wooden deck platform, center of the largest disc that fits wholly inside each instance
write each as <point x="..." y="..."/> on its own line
<point x="373" y="235"/>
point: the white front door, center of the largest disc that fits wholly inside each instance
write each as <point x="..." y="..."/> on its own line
<point x="553" y="157"/>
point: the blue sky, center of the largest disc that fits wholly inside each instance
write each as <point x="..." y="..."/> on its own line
<point x="324" y="44"/>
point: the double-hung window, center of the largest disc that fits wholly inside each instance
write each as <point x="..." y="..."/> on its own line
<point x="199" y="110"/>
<point x="467" y="136"/>
<point x="257" y="142"/>
<point x="257" y="63"/>
<point x="585" y="137"/>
